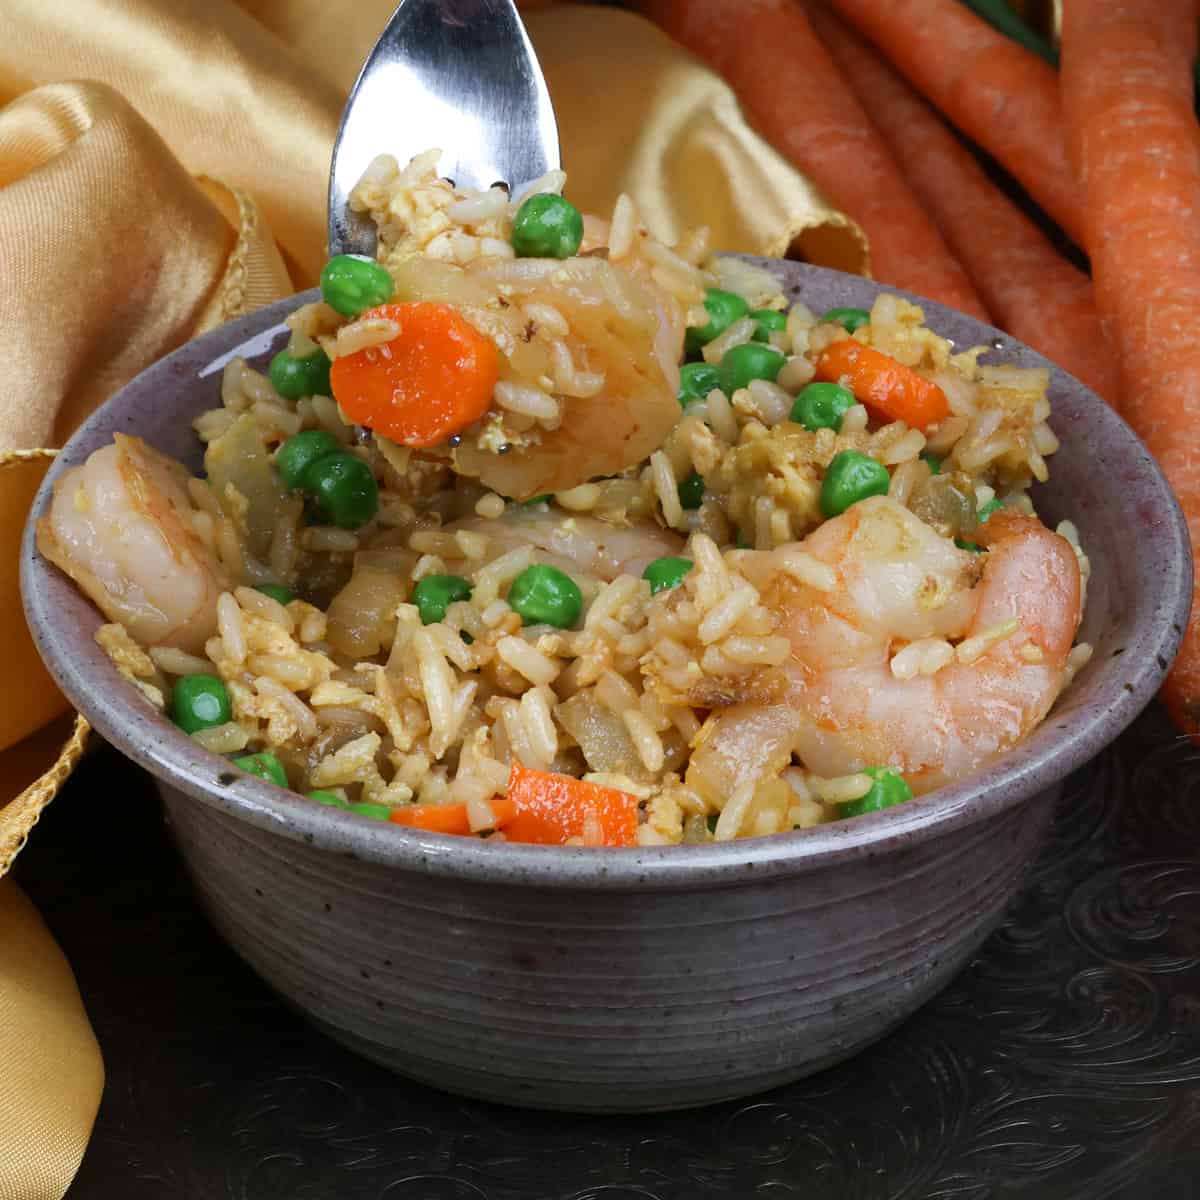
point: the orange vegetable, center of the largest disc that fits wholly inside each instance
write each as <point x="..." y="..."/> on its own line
<point x="885" y="386"/>
<point x="447" y="818"/>
<point x="1030" y="289"/>
<point x="552" y="808"/>
<point x="1127" y="99"/>
<point x="802" y="106"/>
<point x="429" y="382"/>
<point x="999" y="94"/>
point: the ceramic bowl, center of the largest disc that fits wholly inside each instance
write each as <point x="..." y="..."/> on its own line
<point x="644" y="979"/>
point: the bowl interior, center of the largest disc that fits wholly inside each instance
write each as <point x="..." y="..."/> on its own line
<point x="1102" y="479"/>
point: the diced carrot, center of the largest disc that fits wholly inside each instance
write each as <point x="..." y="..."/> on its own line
<point x="552" y="808"/>
<point x="885" y="386"/>
<point x="428" y="383"/>
<point x="447" y="818"/>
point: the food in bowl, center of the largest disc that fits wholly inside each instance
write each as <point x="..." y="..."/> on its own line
<point x="544" y="530"/>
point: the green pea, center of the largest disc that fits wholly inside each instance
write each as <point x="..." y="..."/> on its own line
<point x="751" y="360"/>
<point x="199" y="702"/>
<point x="696" y="380"/>
<point x="723" y="309"/>
<point x="294" y="377"/>
<point x="351" y="284"/>
<point x="277" y="592"/>
<point x="543" y="595"/>
<point x="330" y="798"/>
<point x="768" y="321"/>
<point x="849" y="319"/>
<point x="851" y="477"/>
<point x="435" y="593"/>
<point x="343" y="488"/>
<point x="934" y="461"/>
<point x="265" y="765"/>
<point x="547" y="226"/>
<point x="300" y="451"/>
<point x="377" y="812"/>
<point x="889" y="788"/>
<point x="974" y="547"/>
<point x="664" y="573"/>
<point x="691" y="491"/>
<point x="534" y="501"/>
<point x="822" y="406"/>
<point x="986" y="510"/>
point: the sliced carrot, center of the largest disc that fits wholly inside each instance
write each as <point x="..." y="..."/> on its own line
<point x="887" y="387"/>
<point x="802" y="105"/>
<point x="552" y="808"/>
<point x="1031" y="290"/>
<point x="1127" y="99"/>
<point x="447" y="818"/>
<point x="998" y="93"/>
<point x="431" y="381"/>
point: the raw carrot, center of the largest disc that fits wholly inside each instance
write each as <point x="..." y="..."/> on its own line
<point x="1127" y="99"/>
<point x="885" y="386"/>
<point x="552" y="808"/>
<point x="791" y="90"/>
<point x="447" y="818"/>
<point x="429" y="382"/>
<point x="1030" y="289"/>
<point x="996" y="92"/>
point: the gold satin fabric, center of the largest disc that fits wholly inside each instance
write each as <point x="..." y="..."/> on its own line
<point x="50" y="1068"/>
<point x="163" y="168"/>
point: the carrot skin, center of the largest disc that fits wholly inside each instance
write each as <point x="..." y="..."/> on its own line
<point x="998" y="93"/>
<point x="887" y="387"/>
<point x="1127" y="98"/>
<point x="1030" y="289"/>
<point x="804" y="108"/>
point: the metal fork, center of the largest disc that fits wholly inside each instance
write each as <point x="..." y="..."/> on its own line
<point x="460" y="75"/>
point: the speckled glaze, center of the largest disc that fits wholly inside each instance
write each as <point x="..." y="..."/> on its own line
<point x="647" y="979"/>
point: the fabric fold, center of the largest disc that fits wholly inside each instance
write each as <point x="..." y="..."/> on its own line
<point x="49" y="1060"/>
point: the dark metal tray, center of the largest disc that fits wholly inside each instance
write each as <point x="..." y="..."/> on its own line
<point x="1064" y="1063"/>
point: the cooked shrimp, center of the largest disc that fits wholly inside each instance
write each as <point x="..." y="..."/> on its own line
<point x="582" y="543"/>
<point x="612" y="376"/>
<point x="1017" y="609"/>
<point x="120" y="526"/>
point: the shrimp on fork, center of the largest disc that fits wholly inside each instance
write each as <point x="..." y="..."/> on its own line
<point x="121" y="526"/>
<point x="991" y="635"/>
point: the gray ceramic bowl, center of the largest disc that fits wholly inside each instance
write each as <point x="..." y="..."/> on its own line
<point x="639" y="979"/>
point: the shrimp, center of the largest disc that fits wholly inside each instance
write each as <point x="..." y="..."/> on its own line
<point x="582" y="543"/>
<point x="613" y="374"/>
<point x="120" y="526"/>
<point x="899" y="581"/>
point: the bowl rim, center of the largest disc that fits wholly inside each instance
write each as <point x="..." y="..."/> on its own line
<point x="1036" y="764"/>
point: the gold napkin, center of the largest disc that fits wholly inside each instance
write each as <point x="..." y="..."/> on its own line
<point x="49" y="1061"/>
<point x="163" y="166"/>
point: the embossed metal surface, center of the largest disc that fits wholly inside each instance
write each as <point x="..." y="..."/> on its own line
<point x="1062" y="1064"/>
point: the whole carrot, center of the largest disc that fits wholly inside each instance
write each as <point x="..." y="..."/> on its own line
<point x="996" y="92"/>
<point x="1030" y="289"/>
<point x="1127" y="98"/>
<point x="791" y="90"/>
